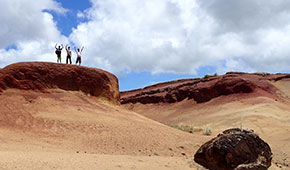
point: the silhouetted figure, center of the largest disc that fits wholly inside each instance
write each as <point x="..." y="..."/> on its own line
<point x="79" y="55"/>
<point x="68" y="51"/>
<point x="58" y="52"/>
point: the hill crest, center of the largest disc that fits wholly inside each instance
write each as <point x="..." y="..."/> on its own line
<point x="40" y="76"/>
<point x="204" y="89"/>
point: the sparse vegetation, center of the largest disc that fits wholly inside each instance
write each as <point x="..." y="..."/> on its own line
<point x="187" y="128"/>
<point x="235" y="72"/>
<point x="206" y="76"/>
<point x="262" y="73"/>
<point x="207" y="130"/>
<point x="241" y="125"/>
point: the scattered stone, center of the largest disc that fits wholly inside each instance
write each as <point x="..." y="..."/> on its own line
<point x="235" y="149"/>
<point x="181" y="147"/>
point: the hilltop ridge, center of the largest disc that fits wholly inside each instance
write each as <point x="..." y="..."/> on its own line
<point x="41" y="76"/>
<point x="203" y="90"/>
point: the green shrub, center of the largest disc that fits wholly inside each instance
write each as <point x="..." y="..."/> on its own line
<point x="206" y="76"/>
<point x="186" y="128"/>
<point x="206" y="130"/>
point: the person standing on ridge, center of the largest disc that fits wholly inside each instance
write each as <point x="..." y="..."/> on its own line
<point x="58" y="52"/>
<point x="79" y="55"/>
<point x="68" y="51"/>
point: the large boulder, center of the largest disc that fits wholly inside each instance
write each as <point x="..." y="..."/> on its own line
<point x="41" y="76"/>
<point x="235" y="149"/>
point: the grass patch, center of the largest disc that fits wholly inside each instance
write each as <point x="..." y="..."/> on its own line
<point x="208" y="75"/>
<point x="187" y="128"/>
<point x="206" y="130"/>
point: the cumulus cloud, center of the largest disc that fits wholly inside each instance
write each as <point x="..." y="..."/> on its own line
<point x="153" y="36"/>
<point x="181" y="36"/>
<point x="177" y="36"/>
<point x="26" y="25"/>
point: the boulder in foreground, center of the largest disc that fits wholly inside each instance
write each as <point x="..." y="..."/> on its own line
<point x="235" y="149"/>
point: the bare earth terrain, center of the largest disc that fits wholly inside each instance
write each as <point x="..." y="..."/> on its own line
<point x="268" y="114"/>
<point x="69" y="130"/>
<point x="55" y="128"/>
<point x="55" y="116"/>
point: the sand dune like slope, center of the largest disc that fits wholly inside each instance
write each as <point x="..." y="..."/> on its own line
<point x="53" y="124"/>
<point x="261" y="103"/>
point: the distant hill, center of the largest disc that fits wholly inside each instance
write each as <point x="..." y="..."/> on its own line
<point x="256" y="101"/>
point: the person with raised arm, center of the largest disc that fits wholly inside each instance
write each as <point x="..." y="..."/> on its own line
<point x="68" y="51"/>
<point x="79" y="55"/>
<point x="58" y="52"/>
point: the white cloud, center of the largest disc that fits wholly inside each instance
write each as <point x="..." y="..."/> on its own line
<point x="155" y="36"/>
<point x="26" y="26"/>
<point x="182" y="35"/>
<point x="178" y="36"/>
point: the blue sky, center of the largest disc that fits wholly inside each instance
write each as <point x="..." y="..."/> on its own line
<point x="66" y="22"/>
<point x="144" y="42"/>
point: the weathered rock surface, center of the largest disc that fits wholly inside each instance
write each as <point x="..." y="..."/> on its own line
<point x="41" y="76"/>
<point x="205" y="89"/>
<point x="235" y="149"/>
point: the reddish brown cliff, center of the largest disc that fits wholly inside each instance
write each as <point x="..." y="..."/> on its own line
<point x="41" y="76"/>
<point x="205" y="89"/>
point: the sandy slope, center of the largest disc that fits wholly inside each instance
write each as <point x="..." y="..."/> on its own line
<point x="55" y="116"/>
<point x="46" y="130"/>
<point x="76" y="161"/>
<point x="269" y="117"/>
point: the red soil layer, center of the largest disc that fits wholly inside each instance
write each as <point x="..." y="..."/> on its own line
<point x="205" y="89"/>
<point x="40" y="76"/>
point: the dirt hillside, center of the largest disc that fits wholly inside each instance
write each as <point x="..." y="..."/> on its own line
<point x="256" y="101"/>
<point x="56" y="116"/>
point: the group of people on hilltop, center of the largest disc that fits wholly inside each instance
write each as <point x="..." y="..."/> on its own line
<point x="69" y="54"/>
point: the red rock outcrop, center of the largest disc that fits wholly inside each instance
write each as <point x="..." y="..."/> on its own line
<point x="235" y="149"/>
<point x="41" y="76"/>
<point x="205" y="89"/>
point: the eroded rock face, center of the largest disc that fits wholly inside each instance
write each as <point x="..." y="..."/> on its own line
<point x="203" y="90"/>
<point x="41" y="76"/>
<point x="235" y="149"/>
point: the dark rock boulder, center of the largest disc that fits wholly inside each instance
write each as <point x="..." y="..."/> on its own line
<point x="235" y="149"/>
